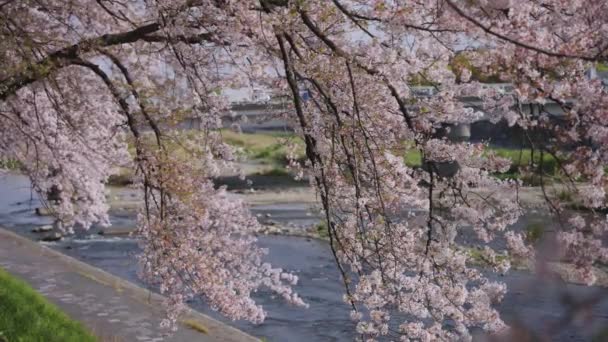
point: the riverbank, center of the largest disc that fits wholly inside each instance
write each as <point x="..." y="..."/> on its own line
<point x="111" y="307"/>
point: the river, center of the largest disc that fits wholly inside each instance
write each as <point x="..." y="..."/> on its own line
<point x="530" y="301"/>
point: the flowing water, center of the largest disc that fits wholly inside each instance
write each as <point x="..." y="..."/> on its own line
<point x="531" y="302"/>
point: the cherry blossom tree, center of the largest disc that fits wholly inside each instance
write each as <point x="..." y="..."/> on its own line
<point x="81" y="78"/>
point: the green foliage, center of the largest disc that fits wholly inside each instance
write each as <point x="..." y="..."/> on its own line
<point x="321" y="230"/>
<point x="534" y="232"/>
<point x="27" y="316"/>
<point x="10" y="164"/>
<point x="457" y="64"/>
<point x="272" y="153"/>
<point x="565" y="196"/>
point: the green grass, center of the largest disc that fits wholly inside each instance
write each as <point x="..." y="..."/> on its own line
<point x="526" y="165"/>
<point x="123" y="178"/>
<point x="413" y="158"/>
<point x="274" y="172"/>
<point x="478" y="257"/>
<point x="10" y="164"/>
<point x="565" y="196"/>
<point x="520" y="158"/>
<point x="272" y="149"/>
<point x="27" y="316"/>
<point x="322" y="231"/>
<point x="525" y="157"/>
<point x="195" y="325"/>
<point x="601" y="336"/>
<point x="602" y="67"/>
<point x="534" y="232"/>
<point x="267" y="148"/>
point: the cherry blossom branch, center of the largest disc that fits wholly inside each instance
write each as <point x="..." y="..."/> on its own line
<point x="313" y="156"/>
<point x="527" y="46"/>
<point x="65" y="56"/>
<point x="6" y="2"/>
<point x="355" y="17"/>
<point x="131" y="123"/>
<point x="125" y="72"/>
<point x="330" y="43"/>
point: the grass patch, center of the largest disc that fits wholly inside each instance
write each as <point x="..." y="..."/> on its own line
<point x="195" y="325"/>
<point x="123" y="178"/>
<point x="265" y="148"/>
<point x="9" y="164"/>
<point x="525" y="166"/>
<point x="565" y="196"/>
<point x="601" y="67"/>
<point x="25" y="315"/>
<point x="525" y="157"/>
<point x="601" y="335"/>
<point x="534" y="232"/>
<point x="274" y="172"/>
<point x="478" y="257"/>
<point x="272" y="148"/>
<point x="268" y="148"/>
<point x="322" y="231"/>
<point x="413" y="158"/>
<point x="582" y="207"/>
<point x="521" y="160"/>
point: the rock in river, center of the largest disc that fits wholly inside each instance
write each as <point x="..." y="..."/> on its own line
<point x="117" y="231"/>
<point x="55" y="236"/>
<point x="41" y="211"/>
<point x="43" y="229"/>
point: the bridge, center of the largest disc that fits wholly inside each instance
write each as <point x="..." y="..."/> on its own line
<point x="265" y="115"/>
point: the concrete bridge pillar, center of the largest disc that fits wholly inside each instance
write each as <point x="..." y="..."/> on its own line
<point x="455" y="133"/>
<point x="459" y="132"/>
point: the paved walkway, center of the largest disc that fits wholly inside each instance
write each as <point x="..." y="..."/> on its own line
<point x="113" y="308"/>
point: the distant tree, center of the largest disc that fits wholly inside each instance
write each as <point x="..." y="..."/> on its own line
<point x="79" y="79"/>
